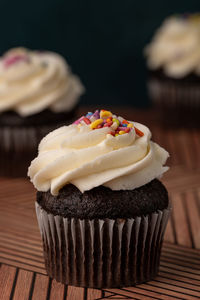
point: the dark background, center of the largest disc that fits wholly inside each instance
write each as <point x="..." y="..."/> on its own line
<point x="103" y="41"/>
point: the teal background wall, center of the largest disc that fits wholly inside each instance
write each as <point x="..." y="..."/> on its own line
<point x="101" y="40"/>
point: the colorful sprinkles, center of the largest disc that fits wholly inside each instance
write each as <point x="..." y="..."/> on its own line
<point x="104" y="118"/>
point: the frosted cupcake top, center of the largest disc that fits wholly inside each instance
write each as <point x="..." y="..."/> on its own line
<point x="31" y="81"/>
<point x="98" y="149"/>
<point x="175" y="46"/>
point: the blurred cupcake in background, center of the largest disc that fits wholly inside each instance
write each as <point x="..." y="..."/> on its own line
<point x="38" y="93"/>
<point x="173" y="60"/>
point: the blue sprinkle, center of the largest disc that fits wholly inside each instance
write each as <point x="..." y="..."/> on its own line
<point x="124" y="125"/>
<point x="89" y="114"/>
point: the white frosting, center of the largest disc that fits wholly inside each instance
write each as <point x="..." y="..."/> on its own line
<point x="38" y="81"/>
<point x="88" y="158"/>
<point x="176" y="47"/>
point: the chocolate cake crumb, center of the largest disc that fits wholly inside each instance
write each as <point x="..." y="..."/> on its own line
<point x="102" y="202"/>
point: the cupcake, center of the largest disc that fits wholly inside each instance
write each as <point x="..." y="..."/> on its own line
<point x="38" y="93"/>
<point x="173" y="60"/>
<point x="101" y="208"/>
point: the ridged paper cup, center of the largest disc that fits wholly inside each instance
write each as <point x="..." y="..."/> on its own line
<point x="178" y="102"/>
<point x="103" y="253"/>
<point x="19" y="146"/>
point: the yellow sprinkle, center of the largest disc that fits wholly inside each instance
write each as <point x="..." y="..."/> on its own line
<point x="105" y="114"/>
<point x="122" y="132"/>
<point x="116" y="134"/>
<point x="117" y="121"/>
<point x="130" y="125"/>
<point x="96" y="123"/>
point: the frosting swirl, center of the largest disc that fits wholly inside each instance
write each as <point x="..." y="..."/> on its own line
<point x="176" y="46"/>
<point x="88" y="158"/>
<point x="31" y="81"/>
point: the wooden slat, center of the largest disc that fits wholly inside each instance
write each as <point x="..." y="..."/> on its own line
<point x="135" y="293"/>
<point x="193" y="262"/>
<point x="179" y="278"/>
<point x="57" y="290"/>
<point x="75" y="293"/>
<point x="5" y="251"/>
<point x="178" y="268"/>
<point x="194" y="218"/>
<point x="189" y="287"/>
<point x="182" y="263"/>
<point x="181" y="249"/>
<point x="169" y="269"/>
<point x="23" y="285"/>
<point x="93" y="294"/>
<point x="196" y="146"/>
<point x="107" y="294"/>
<point x="169" y="234"/>
<point x="7" y="276"/>
<point x="119" y="297"/>
<point x="180" y="221"/>
<point x="161" y="292"/>
<point x="179" y="179"/>
<point x="187" y="145"/>
<point x="21" y="259"/>
<point x="25" y="242"/>
<point x="23" y="266"/>
<point x="172" y="290"/>
<point x="40" y="287"/>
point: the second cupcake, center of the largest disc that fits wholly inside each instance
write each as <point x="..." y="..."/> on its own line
<point x="38" y="93"/>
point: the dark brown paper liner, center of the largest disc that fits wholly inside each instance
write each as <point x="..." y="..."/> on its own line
<point x="18" y="147"/>
<point x="102" y="253"/>
<point x="177" y="102"/>
<point x="174" y="94"/>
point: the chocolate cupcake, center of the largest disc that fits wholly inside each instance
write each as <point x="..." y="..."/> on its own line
<point x="101" y="210"/>
<point x="38" y="93"/>
<point x="173" y="60"/>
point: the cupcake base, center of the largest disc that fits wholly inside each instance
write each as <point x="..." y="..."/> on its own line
<point x="100" y="253"/>
<point x="18" y="147"/>
<point x="178" y="100"/>
<point x="20" y="138"/>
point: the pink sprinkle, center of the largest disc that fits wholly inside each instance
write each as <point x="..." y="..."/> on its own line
<point x="79" y="120"/>
<point x="10" y="60"/>
<point x="121" y="128"/>
<point x="76" y="122"/>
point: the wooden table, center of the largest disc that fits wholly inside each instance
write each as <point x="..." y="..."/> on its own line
<point x="22" y="272"/>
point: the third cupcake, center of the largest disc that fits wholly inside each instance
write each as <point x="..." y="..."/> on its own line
<point x="173" y="60"/>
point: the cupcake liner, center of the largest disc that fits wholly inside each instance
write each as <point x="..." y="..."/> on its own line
<point x="173" y="94"/>
<point x="177" y="103"/>
<point x="102" y="253"/>
<point x="18" y="147"/>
